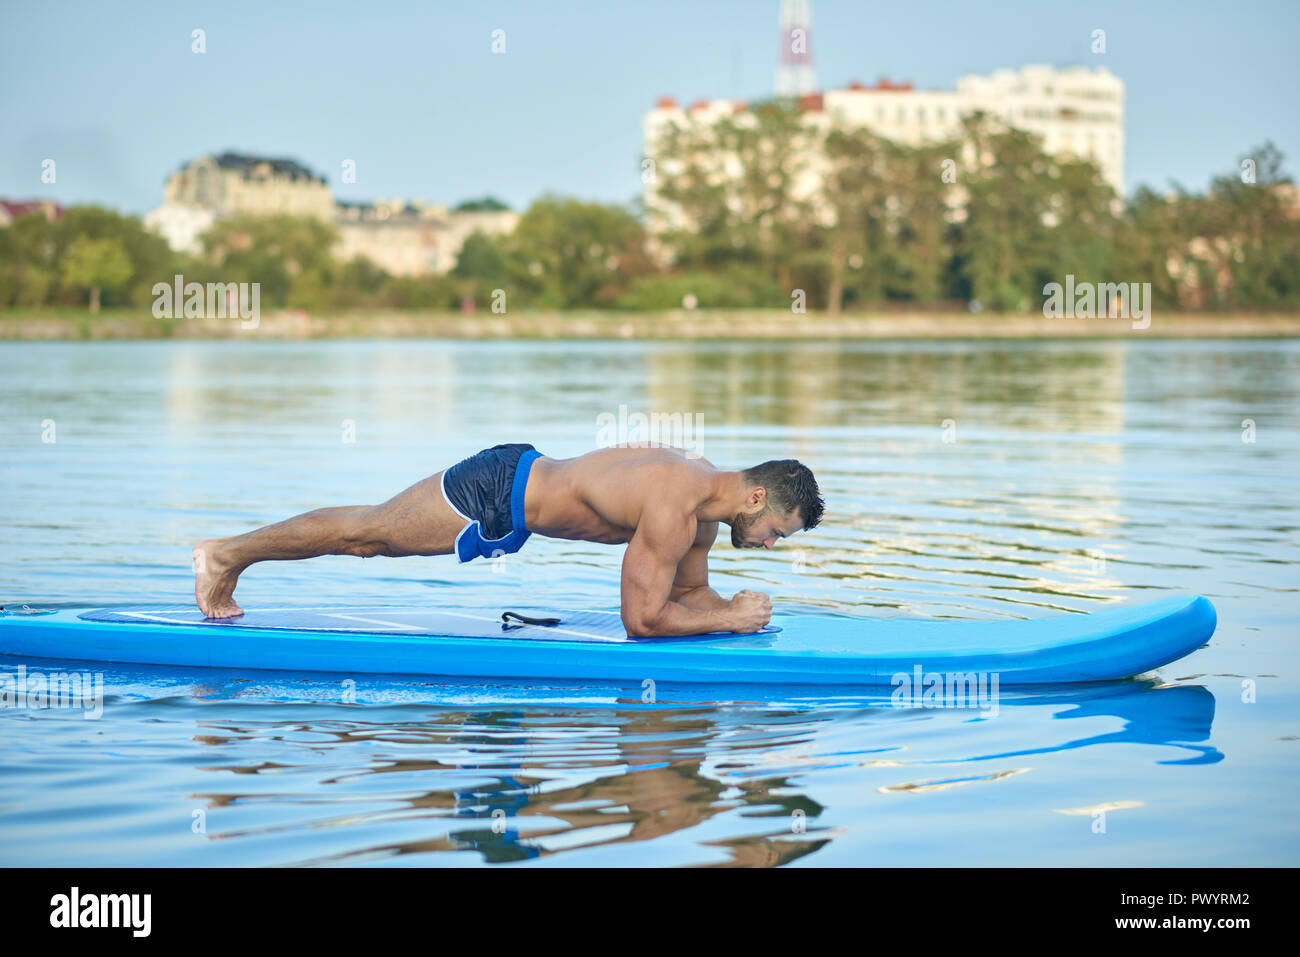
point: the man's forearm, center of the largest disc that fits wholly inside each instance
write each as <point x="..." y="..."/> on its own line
<point x="702" y="598"/>
<point x="678" y="619"/>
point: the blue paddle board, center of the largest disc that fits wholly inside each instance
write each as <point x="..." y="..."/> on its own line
<point x="475" y="642"/>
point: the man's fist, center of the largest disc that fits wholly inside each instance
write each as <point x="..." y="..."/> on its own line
<point x="751" y="611"/>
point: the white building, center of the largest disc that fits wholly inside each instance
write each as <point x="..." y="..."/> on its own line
<point x="181" y="224"/>
<point x="413" y="238"/>
<point x="1076" y="111"/>
<point x="404" y="238"/>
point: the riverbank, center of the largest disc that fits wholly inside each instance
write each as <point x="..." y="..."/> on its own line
<point x="675" y="324"/>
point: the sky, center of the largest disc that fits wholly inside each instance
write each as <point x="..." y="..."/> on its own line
<point x="414" y="95"/>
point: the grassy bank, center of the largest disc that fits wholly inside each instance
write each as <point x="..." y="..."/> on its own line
<point x="677" y="324"/>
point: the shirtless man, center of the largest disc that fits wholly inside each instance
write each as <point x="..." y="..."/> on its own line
<point x="663" y="504"/>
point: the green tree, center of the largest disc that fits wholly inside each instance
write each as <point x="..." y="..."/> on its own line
<point x="290" y="256"/>
<point x="1254" y="226"/>
<point x="150" y="258"/>
<point x="1004" y="240"/>
<point x="1150" y="235"/>
<point x="481" y="257"/>
<point x="856" y="190"/>
<point x="729" y="190"/>
<point x="566" y="254"/>
<point x="919" y="209"/>
<point x="96" y="264"/>
<point x="488" y="204"/>
<point x="28" y="264"/>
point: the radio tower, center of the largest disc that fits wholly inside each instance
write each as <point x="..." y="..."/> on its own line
<point x="794" y="77"/>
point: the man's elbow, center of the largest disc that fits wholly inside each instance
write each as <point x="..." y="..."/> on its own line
<point x="641" y="625"/>
<point x="684" y="593"/>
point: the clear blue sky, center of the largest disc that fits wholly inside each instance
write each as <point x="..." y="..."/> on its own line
<point x="413" y="93"/>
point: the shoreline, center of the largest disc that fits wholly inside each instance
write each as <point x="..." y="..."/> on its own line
<point x="675" y="324"/>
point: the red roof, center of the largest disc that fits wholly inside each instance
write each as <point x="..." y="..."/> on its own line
<point x="16" y="209"/>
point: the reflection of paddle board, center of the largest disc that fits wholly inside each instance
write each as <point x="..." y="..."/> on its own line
<point x="798" y="649"/>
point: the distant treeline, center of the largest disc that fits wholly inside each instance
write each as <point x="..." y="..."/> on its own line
<point x="990" y="220"/>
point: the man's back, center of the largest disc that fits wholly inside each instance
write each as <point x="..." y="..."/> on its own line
<point x="599" y="496"/>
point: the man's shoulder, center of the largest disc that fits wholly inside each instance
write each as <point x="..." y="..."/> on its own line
<point x="672" y="482"/>
<point x="687" y="470"/>
<point x="667" y="460"/>
<point x="686" y="457"/>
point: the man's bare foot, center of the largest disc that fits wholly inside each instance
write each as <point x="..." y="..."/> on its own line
<point x="214" y="581"/>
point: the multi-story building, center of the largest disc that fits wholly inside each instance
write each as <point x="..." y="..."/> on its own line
<point x="410" y="238"/>
<point x="234" y="183"/>
<point x="402" y="237"/>
<point x="212" y="187"/>
<point x="1076" y="112"/>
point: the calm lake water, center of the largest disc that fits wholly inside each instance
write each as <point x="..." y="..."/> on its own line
<point x="992" y="480"/>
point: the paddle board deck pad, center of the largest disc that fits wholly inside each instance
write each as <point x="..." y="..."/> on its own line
<point x="475" y="642"/>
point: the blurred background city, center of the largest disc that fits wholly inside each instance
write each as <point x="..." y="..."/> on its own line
<point x="812" y="159"/>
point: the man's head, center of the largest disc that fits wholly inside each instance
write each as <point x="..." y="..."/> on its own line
<point x="781" y="497"/>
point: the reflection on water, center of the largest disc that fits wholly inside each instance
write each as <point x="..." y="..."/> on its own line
<point x="965" y="480"/>
<point x="519" y="772"/>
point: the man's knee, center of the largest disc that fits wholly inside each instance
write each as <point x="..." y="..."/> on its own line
<point x="363" y="536"/>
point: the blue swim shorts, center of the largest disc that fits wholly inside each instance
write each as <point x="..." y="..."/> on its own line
<point x="487" y="490"/>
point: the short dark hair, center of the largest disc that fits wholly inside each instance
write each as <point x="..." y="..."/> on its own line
<point x="790" y="485"/>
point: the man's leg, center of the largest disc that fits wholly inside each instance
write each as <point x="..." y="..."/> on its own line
<point x="417" y="521"/>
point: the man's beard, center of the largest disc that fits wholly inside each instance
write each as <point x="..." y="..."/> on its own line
<point x="740" y="526"/>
